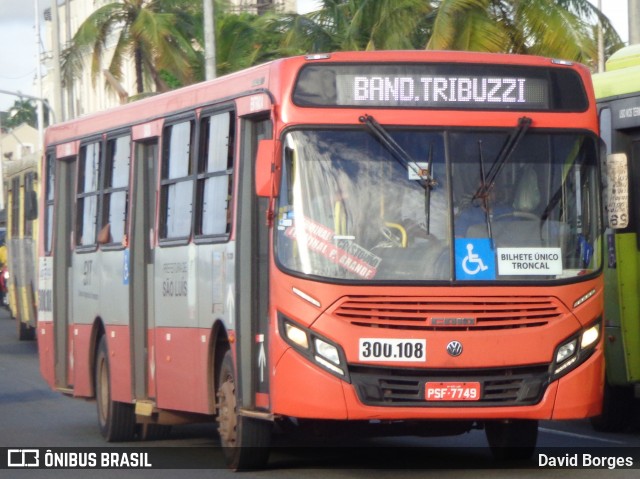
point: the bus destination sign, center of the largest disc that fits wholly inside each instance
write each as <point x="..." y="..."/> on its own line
<point x="441" y="86"/>
<point x="434" y="91"/>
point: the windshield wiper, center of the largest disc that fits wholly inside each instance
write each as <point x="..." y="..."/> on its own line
<point x="505" y="153"/>
<point x="402" y="157"/>
<point x="485" y="198"/>
<point x="398" y="152"/>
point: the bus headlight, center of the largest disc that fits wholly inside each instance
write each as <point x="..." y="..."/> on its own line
<point x="566" y="351"/>
<point x="575" y="350"/>
<point x="327" y="351"/>
<point x="296" y="335"/>
<point x="314" y="347"/>
<point x="590" y="336"/>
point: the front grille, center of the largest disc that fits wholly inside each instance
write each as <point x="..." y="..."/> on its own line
<point x="416" y="313"/>
<point x="377" y="386"/>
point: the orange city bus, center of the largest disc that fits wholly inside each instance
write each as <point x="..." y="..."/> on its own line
<point x="368" y="238"/>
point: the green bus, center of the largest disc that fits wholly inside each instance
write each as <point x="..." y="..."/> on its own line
<point x="618" y="96"/>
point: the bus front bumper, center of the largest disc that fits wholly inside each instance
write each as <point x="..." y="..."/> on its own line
<point x="303" y="390"/>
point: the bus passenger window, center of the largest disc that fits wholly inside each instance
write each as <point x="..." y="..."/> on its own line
<point x="215" y="169"/>
<point x="87" y="199"/>
<point x="15" y="207"/>
<point x="30" y="203"/>
<point x="116" y="189"/>
<point x="177" y="182"/>
<point x="49" y="195"/>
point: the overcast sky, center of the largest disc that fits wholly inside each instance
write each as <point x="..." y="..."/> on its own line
<point x="18" y="41"/>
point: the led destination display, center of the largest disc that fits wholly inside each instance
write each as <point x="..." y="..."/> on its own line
<point x="442" y="86"/>
<point x="432" y="91"/>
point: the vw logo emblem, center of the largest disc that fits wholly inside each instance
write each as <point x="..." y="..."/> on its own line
<point x="454" y="348"/>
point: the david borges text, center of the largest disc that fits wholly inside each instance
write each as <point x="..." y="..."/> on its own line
<point x="584" y="460"/>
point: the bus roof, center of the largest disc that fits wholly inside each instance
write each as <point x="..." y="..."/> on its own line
<point x="17" y="167"/>
<point x="622" y="75"/>
<point x="265" y="78"/>
<point x="624" y="58"/>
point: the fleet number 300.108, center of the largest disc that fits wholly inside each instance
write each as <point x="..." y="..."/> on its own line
<point x="388" y="349"/>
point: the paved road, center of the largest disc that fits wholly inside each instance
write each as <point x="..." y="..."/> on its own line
<point x="31" y="415"/>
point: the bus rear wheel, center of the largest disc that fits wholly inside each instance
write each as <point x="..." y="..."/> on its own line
<point x="245" y="441"/>
<point x="116" y="419"/>
<point x="512" y="439"/>
<point x="25" y="332"/>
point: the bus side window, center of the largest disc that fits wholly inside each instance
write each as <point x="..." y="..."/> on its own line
<point x="176" y="205"/>
<point x="88" y="192"/>
<point x="49" y="195"/>
<point x="30" y="202"/>
<point x="116" y="191"/>
<point x="15" y="207"/>
<point x="606" y="128"/>
<point x="215" y="174"/>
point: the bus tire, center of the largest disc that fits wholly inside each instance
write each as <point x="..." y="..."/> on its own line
<point x="116" y="419"/>
<point x="245" y="441"/>
<point x="25" y="332"/>
<point x="617" y="402"/>
<point x="512" y="440"/>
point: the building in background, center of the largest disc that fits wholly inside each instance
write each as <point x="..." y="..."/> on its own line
<point x="261" y="6"/>
<point x="18" y="143"/>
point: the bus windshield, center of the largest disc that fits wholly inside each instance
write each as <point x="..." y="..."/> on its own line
<point x="348" y="210"/>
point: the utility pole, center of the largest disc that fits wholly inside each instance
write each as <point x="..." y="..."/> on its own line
<point x="634" y="21"/>
<point x="600" y="42"/>
<point x="55" y="49"/>
<point x="40" y="108"/>
<point x="209" y="40"/>
<point x="68" y="82"/>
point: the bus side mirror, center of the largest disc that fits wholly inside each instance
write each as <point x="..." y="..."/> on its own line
<point x="617" y="191"/>
<point x="268" y="166"/>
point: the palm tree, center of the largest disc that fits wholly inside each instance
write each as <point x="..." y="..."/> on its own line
<point x="554" y="28"/>
<point x="157" y="34"/>
<point x="22" y="111"/>
<point x="357" y="25"/>
<point x="242" y="40"/>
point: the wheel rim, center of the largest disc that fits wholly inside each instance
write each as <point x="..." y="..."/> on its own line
<point x="227" y="418"/>
<point x="103" y="391"/>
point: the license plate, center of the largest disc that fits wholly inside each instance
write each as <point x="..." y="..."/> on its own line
<point x="392" y="350"/>
<point x="439" y="391"/>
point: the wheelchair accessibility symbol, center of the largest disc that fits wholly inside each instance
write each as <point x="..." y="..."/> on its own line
<point x="475" y="259"/>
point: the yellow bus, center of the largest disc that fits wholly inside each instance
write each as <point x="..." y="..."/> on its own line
<point x="21" y="184"/>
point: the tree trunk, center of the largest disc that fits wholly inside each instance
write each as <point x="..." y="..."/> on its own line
<point x="138" y="65"/>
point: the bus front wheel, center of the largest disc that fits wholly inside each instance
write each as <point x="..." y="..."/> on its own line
<point x="116" y="419"/>
<point x="512" y="439"/>
<point x="617" y="402"/>
<point x="245" y="441"/>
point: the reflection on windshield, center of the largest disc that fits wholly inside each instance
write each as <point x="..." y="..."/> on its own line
<point x="349" y="211"/>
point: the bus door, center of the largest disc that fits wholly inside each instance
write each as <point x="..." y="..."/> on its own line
<point x="252" y="272"/>
<point x="63" y="212"/>
<point x="622" y="275"/>
<point x="141" y="261"/>
<point x="15" y="236"/>
<point x="629" y="268"/>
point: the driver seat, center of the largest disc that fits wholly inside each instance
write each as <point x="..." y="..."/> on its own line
<point x="527" y="192"/>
